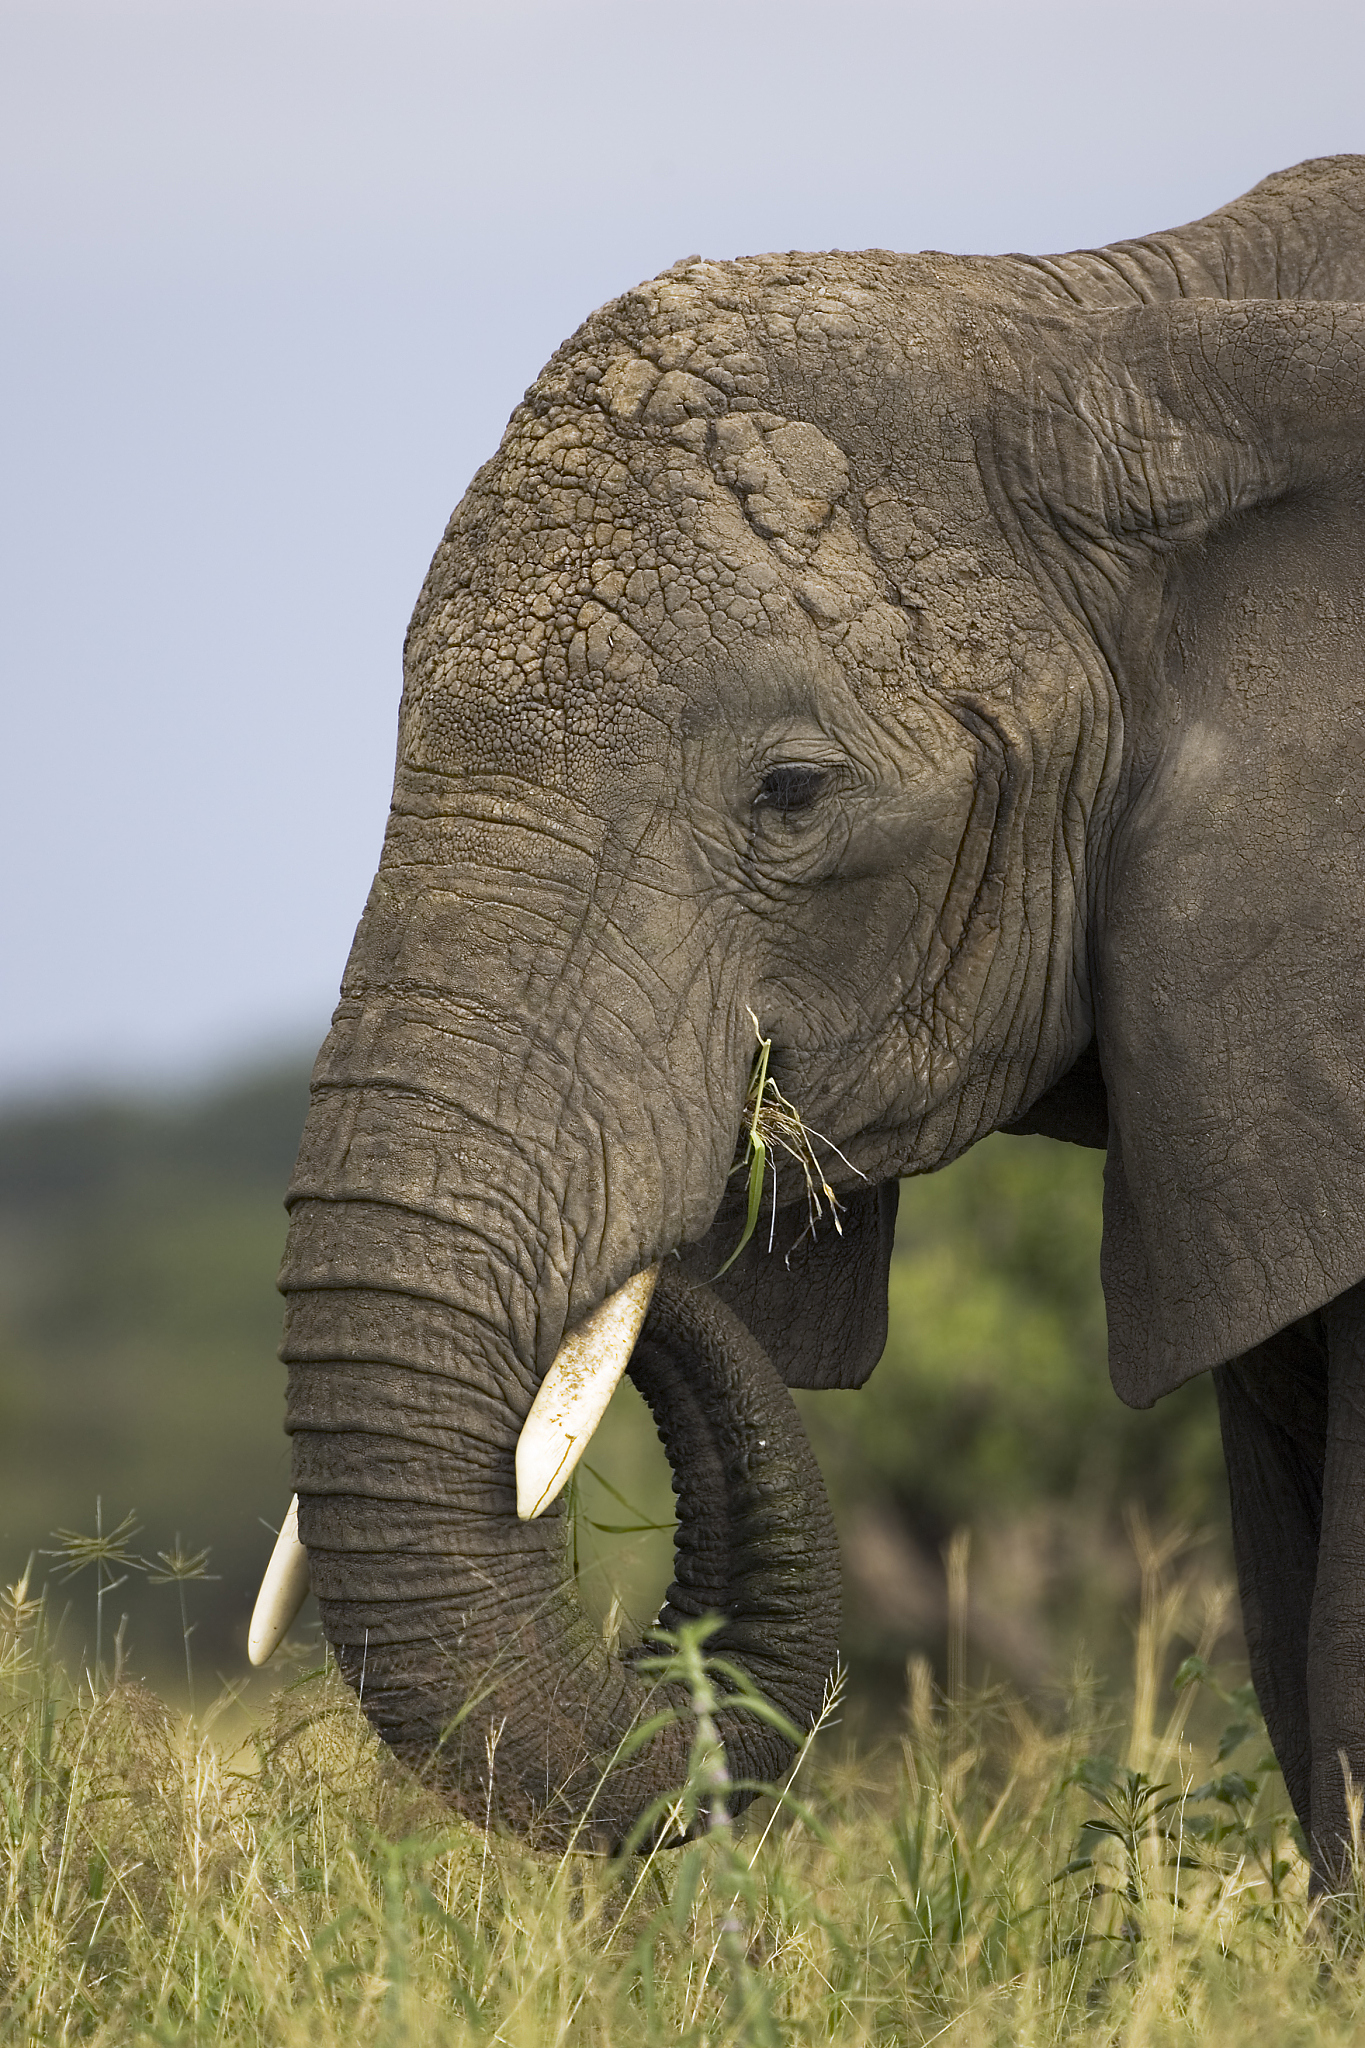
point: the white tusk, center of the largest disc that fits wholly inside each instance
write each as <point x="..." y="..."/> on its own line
<point x="575" y="1391"/>
<point x="283" y="1591"/>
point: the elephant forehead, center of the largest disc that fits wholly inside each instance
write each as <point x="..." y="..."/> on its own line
<point x="593" y="581"/>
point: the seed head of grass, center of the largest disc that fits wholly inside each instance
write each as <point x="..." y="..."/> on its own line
<point x="107" y="1550"/>
<point x="178" y="1565"/>
<point x="18" y="1613"/>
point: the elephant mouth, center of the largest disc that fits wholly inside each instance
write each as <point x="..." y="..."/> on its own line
<point x="460" y="1622"/>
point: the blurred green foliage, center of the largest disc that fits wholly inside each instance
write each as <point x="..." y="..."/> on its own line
<point x="139" y="1321"/>
<point x="993" y="1393"/>
<point x="138" y="1329"/>
<point x="992" y="1410"/>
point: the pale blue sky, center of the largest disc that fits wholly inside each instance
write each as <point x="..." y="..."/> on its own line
<point x="276" y="274"/>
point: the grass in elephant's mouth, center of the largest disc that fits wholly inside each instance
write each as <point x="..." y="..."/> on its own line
<point x="771" y="1126"/>
<point x="985" y="1879"/>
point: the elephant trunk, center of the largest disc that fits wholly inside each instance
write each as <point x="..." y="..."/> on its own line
<point x="474" y="1176"/>
<point x="458" y="1624"/>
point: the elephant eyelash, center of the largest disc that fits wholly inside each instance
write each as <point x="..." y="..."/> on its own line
<point x="792" y="786"/>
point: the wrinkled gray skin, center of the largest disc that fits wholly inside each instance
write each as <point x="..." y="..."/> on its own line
<point x="956" y="662"/>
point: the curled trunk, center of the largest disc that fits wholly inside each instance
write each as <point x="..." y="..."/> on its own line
<point x="458" y="1624"/>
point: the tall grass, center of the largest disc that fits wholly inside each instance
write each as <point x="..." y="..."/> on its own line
<point x="991" y="1876"/>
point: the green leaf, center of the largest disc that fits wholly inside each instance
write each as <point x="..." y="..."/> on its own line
<point x="782" y="1798"/>
<point x="763" y="1710"/>
<point x="758" y="1160"/>
<point x="1232" y="1789"/>
<point x="607" y="1486"/>
<point x="645" y="1732"/>
<point x="691" y="1868"/>
<point x="652" y="1817"/>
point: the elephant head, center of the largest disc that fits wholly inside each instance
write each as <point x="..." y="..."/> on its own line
<point x="939" y="662"/>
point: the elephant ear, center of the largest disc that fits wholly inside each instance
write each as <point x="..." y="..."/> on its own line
<point x="819" y="1310"/>
<point x="1229" y="963"/>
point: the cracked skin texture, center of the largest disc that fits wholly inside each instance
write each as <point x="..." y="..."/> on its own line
<point x="813" y="458"/>
<point x="1043" y="578"/>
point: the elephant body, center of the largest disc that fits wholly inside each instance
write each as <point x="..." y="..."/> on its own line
<point x="952" y="668"/>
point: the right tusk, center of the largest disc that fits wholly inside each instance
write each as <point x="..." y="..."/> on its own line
<point x="283" y="1591"/>
<point x="575" y="1391"/>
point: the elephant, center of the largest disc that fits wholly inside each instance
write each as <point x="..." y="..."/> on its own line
<point x="945" y="671"/>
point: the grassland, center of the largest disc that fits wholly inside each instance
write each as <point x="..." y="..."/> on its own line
<point x="989" y="1874"/>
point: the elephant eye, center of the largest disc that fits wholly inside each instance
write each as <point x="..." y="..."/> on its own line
<point x="794" y="786"/>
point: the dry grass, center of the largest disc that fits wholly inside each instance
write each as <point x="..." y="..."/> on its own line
<point x="772" y="1125"/>
<point x="988" y="1878"/>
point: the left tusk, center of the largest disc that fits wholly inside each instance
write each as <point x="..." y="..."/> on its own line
<point x="283" y="1591"/>
<point x="575" y="1391"/>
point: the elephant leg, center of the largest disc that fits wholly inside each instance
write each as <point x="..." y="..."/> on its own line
<point x="1272" y="1406"/>
<point x="1336" y="1644"/>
